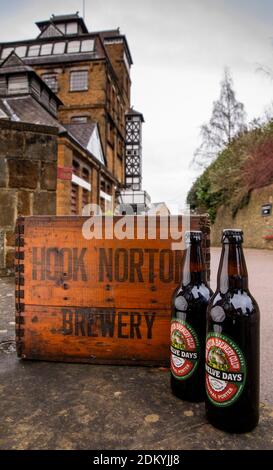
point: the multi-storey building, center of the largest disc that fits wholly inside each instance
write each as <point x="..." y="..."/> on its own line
<point x="90" y="74"/>
<point x="67" y="130"/>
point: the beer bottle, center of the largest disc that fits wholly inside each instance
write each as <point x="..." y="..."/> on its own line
<point x="188" y="323"/>
<point x="232" y="344"/>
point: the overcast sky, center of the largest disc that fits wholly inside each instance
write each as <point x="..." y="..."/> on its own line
<point x="179" y="49"/>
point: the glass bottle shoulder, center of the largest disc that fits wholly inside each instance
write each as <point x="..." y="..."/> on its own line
<point x="236" y="302"/>
<point x="191" y="293"/>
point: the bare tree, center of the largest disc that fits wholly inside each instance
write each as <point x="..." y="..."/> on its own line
<point x="227" y="121"/>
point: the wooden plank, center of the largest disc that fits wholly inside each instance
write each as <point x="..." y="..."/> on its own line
<point x="132" y="336"/>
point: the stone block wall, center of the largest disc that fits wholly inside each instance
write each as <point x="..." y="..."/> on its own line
<point x="258" y="229"/>
<point x="28" y="179"/>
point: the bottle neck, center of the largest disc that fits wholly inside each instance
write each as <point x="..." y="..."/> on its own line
<point x="232" y="272"/>
<point x="193" y="265"/>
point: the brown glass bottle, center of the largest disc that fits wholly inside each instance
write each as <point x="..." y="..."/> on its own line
<point x="232" y="344"/>
<point x="188" y="324"/>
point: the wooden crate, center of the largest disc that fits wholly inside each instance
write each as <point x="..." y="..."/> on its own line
<point x="96" y="301"/>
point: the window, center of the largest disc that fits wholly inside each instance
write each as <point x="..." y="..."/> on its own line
<point x="36" y="88"/>
<point x="46" y="49"/>
<point x="6" y="52"/>
<point x="79" y="80"/>
<point x="51" y="80"/>
<point x="18" y="84"/>
<point x="21" y="51"/>
<point x="72" y="28"/>
<point x="87" y="45"/>
<point x="79" y="119"/>
<point x="45" y="97"/>
<point x="73" y="46"/>
<point x="59" y="48"/>
<point x="74" y="199"/>
<point x="61" y="27"/>
<point x="85" y="192"/>
<point x="53" y="106"/>
<point x="34" y="50"/>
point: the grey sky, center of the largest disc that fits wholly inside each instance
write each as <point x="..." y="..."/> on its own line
<point x="179" y="48"/>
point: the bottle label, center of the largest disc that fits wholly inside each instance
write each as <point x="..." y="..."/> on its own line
<point x="184" y="349"/>
<point x="225" y="370"/>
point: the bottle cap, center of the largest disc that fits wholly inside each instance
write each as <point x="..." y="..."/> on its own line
<point x="232" y="235"/>
<point x="193" y="236"/>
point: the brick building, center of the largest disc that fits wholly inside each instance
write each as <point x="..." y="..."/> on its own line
<point x="64" y="104"/>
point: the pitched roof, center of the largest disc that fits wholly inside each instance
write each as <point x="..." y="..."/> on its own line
<point x="71" y="16"/>
<point x="108" y="33"/>
<point x="134" y="112"/>
<point x="87" y="135"/>
<point x="27" y="109"/>
<point x="63" y="18"/>
<point x="49" y="31"/>
<point x="82" y="131"/>
<point x="13" y="64"/>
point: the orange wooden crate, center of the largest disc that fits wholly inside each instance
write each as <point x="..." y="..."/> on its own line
<point x="96" y="301"/>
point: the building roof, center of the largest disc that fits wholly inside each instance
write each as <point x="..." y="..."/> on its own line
<point x="13" y="64"/>
<point x="109" y="33"/>
<point x="134" y="112"/>
<point x="87" y="135"/>
<point x="71" y="16"/>
<point x="81" y="131"/>
<point x="63" y="19"/>
<point x="27" y="109"/>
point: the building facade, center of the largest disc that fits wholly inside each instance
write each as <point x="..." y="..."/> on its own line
<point x="90" y="74"/>
<point x="64" y="105"/>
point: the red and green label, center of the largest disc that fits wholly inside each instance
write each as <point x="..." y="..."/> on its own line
<point x="225" y="370"/>
<point x="184" y="349"/>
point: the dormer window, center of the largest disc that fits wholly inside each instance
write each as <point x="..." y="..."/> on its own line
<point x="45" y="97"/>
<point x="61" y="27"/>
<point x="18" y="84"/>
<point x="51" y="80"/>
<point x="71" y="28"/>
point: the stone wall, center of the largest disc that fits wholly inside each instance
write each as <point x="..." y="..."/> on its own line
<point x="28" y="178"/>
<point x="258" y="229"/>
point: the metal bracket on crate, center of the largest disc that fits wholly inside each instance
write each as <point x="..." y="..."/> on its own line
<point x="19" y="284"/>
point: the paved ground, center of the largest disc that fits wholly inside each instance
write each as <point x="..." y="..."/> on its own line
<point x="73" y="406"/>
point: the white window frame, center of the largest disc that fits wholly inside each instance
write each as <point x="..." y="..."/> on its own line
<point x="105" y="196"/>
<point x="81" y="182"/>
